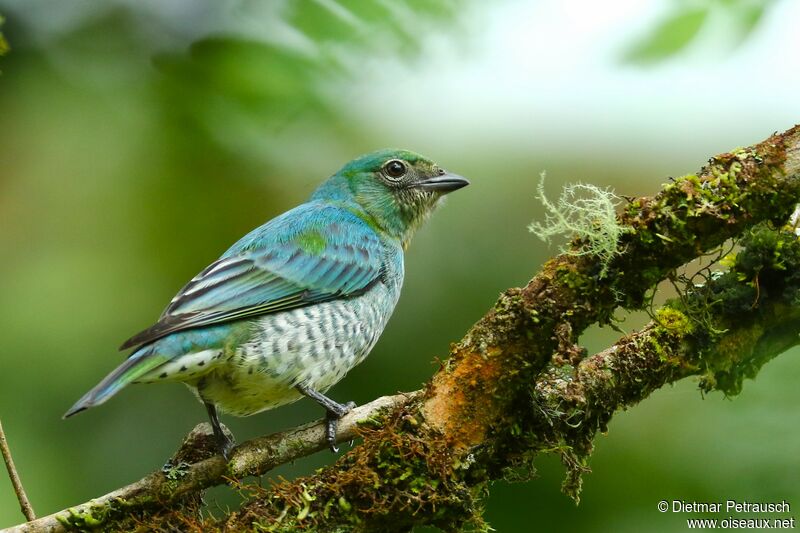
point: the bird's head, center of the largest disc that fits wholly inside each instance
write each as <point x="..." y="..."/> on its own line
<point x="396" y="189"/>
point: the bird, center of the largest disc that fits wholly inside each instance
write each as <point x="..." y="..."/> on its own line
<point x="296" y="303"/>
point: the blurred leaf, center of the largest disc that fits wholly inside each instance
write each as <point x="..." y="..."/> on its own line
<point x="324" y="21"/>
<point x="231" y="90"/>
<point x="749" y="19"/>
<point x="253" y="73"/>
<point x="236" y="89"/>
<point x="386" y="24"/>
<point x="4" y="47"/>
<point x="668" y="38"/>
<point x="435" y="8"/>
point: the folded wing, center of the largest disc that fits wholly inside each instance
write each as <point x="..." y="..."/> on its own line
<point x="276" y="268"/>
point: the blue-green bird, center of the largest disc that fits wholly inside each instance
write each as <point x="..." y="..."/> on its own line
<point x="288" y="310"/>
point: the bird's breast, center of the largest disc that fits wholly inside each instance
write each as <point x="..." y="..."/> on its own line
<point x="314" y="345"/>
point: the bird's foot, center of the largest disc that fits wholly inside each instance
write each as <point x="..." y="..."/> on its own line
<point x="225" y="445"/>
<point x="335" y="413"/>
<point x="223" y="436"/>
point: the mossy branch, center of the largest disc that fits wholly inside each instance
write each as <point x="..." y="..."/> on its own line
<point x="723" y="331"/>
<point x="518" y="383"/>
<point x="409" y="473"/>
<point x="196" y="467"/>
<point x="586" y="212"/>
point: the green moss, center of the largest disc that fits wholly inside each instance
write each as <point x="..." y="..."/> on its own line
<point x="697" y="212"/>
<point x="727" y="311"/>
<point x="672" y="322"/>
<point x="177" y="471"/>
<point x="120" y="515"/>
<point x="743" y="154"/>
<point x="672" y="328"/>
<point x="402" y="476"/>
<point x="84" y="519"/>
<point x="575" y="280"/>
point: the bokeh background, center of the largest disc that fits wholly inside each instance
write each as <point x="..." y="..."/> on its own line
<point x="139" y="139"/>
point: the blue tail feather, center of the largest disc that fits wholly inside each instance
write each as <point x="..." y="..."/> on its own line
<point x="137" y="365"/>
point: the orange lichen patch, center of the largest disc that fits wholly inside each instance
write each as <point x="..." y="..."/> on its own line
<point x="463" y="403"/>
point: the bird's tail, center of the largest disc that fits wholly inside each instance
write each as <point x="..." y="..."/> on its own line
<point x="137" y="365"/>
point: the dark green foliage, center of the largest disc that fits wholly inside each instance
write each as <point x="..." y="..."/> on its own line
<point x="232" y="87"/>
<point x="4" y="47"/>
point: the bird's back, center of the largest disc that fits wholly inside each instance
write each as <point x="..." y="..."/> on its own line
<point x="314" y="257"/>
<point x="254" y="364"/>
<point x="296" y="303"/>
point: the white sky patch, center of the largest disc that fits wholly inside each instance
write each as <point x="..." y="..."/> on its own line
<point x="549" y="73"/>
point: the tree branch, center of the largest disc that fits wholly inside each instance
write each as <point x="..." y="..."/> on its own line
<point x="518" y="383"/>
<point x="724" y="330"/>
<point x="196" y="467"/>
<point x="407" y="473"/>
<point x="19" y="490"/>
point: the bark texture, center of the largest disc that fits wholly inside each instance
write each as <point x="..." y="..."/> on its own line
<point x="518" y="383"/>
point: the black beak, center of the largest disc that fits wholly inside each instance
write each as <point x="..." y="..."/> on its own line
<point x="444" y="183"/>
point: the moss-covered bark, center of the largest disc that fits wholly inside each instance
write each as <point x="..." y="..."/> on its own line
<point x="409" y="473"/>
<point x="164" y="498"/>
<point x="478" y="412"/>
<point x="518" y="383"/>
<point x="506" y="349"/>
<point x="724" y="330"/>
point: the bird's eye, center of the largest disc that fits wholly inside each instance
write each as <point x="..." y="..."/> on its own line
<point x="395" y="169"/>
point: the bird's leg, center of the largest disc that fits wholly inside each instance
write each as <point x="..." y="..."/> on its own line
<point x="334" y="411"/>
<point x="224" y="442"/>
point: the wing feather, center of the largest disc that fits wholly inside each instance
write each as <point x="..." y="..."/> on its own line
<point x="278" y="273"/>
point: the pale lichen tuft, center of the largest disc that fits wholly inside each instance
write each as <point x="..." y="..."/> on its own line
<point x="587" y="212"/>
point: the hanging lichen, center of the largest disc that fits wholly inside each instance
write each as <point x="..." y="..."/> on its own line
<point x="587" y="212"/>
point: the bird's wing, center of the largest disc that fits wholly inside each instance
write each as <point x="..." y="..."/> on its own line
<point x="314" y="263"/>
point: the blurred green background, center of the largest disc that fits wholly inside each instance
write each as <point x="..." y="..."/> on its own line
<point x="139" y="139"/>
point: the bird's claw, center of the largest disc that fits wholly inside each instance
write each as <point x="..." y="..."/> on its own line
<point x="225" y="446"/>
<point x="332" y="424"/>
